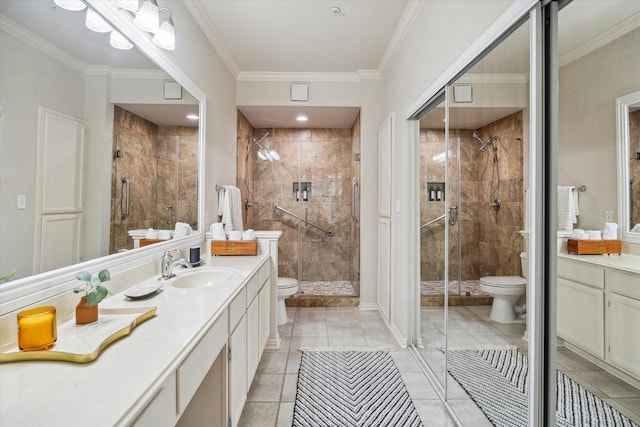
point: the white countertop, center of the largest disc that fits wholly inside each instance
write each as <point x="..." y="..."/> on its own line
<point x="129" y="371"/>
<point x="626" y="262"/>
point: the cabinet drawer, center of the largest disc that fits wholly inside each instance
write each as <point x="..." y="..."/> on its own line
<point x="252" y="289"/>
<point x="264" y="272"/>
<point x="584" y="273"/>
<point x="195" y="367"/>
<point x="237" y="308"/>
<point x="624" y="283"/>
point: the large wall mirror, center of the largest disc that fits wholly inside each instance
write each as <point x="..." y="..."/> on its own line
<point x="95" y="143"/>
<point x="628" y="135"/>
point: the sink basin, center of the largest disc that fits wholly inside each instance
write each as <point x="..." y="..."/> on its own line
<point x="204" y="277"/>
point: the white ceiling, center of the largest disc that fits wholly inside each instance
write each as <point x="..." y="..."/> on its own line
<point x="300" y="36"/>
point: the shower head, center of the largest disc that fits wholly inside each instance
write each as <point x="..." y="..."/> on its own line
<point x="485" y="144"/>
<point x="263" y="153"/>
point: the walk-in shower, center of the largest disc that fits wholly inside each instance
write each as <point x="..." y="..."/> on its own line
<point x="484" y="241"/>
<point x="307" y="193"/>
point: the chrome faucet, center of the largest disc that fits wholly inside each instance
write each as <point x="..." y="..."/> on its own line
<point x="168" y="263"/>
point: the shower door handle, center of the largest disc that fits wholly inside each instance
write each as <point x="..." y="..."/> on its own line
<point x="453" y="215"/>
<point x="354" y="213"/>
<point x="124" y="212"/>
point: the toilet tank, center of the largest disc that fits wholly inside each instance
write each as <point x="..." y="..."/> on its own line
<point x="524" y="263"/>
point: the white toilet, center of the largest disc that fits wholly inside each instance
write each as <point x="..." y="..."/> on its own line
<point x="286" y="287"/>
<point x="505" y="290"/>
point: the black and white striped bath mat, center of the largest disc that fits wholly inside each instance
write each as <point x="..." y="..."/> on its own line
<point x="351" y="388"/>
<point x="497" y="381"/>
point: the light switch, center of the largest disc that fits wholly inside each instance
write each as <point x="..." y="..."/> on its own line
<point x="22" y="201"/>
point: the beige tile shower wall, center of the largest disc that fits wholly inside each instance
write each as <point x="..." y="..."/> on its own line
<point x="489" y="241"/>
<point x="322" y="157"/>
<point x="183" y="196"/>
<point x="136" y="136"/>
<point x="161" y="163"/>
<point x="245" y="161"/>
<point x="500" y="242"/>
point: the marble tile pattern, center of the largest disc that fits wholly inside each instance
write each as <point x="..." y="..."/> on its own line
<point x="323" y="157"/>
<point x="489" y="243"/>
<point x="154" y="159"/>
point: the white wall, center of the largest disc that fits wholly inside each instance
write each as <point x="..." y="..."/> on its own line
<point x="589" y="87"/>
<point x="421" y="59"/>
<point x="21" y="92"/>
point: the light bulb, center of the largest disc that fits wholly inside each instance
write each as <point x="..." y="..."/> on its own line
<point x="94" y="22"/>
<point x="118" y="41"/>
<point x="72" y="5"/>
<point x="147" y="17"/>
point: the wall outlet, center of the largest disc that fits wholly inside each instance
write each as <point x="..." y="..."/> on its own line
<point x="608" y="216"/>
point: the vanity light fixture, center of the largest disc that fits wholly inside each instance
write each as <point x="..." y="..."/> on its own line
<point x="94" y="22"/>
<point x="192" y="116"/>
<point x="302" y="118"/>
<point x="119" y="41"/>
<point x="72" y="5"/>
<point x="147" y="17"/>
<point x="165" y="37"/>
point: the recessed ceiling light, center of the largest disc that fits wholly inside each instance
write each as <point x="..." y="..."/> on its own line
<point x="192" y="116"/>
<point x="302" y="118"/>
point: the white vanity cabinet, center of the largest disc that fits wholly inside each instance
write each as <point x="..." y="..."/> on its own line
<point x="598" y="312"/>
<point x="623" y="321"/>
<point x="248" y="334"/>
<point x="580" y="308"/>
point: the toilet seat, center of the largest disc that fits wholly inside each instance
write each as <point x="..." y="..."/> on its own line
<point x="287" y="283"/>
<point x="503" y="281"/>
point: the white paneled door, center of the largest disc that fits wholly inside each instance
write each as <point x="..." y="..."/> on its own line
<point x="59" y="201"/>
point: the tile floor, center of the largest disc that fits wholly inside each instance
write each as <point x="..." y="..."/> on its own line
<point x="271" y="398"/>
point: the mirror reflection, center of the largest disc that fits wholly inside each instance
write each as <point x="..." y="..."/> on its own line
<point x="77" y="118"/>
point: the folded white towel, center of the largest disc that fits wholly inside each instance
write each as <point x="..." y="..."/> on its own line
<point x="610" y="231"/>
<point x="235" y="235"/>
<point x="578" y="234"/>
<point x="567" y="207"/>
<point x="594" y="234"/>
<point x="182" y="229"/>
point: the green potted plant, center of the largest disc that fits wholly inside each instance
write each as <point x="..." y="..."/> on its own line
<point x="8" y="277"/>
<point x="94" y="292"/>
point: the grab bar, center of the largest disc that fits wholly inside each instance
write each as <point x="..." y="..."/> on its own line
<point x="426" y="224"/>
<point x="329" y="232"/>
<point x="126" y="187"/>
<point x="353" y="201"/>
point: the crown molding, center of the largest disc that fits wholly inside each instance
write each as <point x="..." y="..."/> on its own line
<point x="492" y="78"/>
<point x="402" y="29"/>
<point x="607" y="36"/>
<point x="37" y="42"/>
<point x="199" y="13"/>
<point x="369" y="74"/>
<point x="123" y="73"/>
<point x="267" y="76"/>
